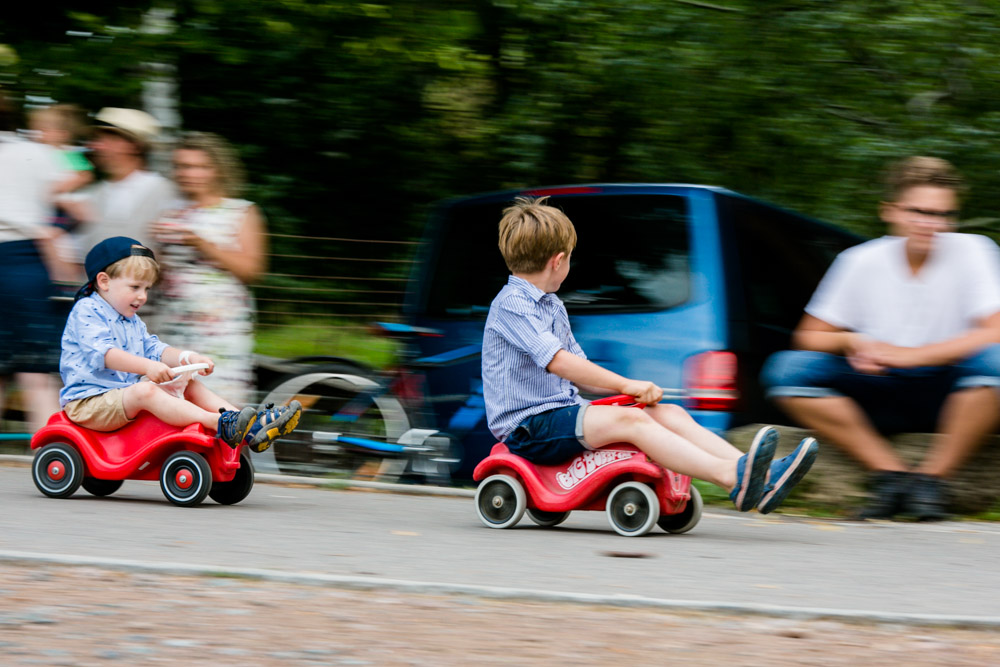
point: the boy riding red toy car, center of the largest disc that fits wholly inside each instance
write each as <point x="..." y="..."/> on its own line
<point x="190" y="463"/>
<point x="635" y="492"/>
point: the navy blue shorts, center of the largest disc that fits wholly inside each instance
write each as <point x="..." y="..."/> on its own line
<point x="903" y="399"/>
<point x="31" y="328"/>
<point x="551" y="437"/>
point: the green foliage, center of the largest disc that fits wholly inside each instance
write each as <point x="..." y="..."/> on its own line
<point x="354" y="116"/>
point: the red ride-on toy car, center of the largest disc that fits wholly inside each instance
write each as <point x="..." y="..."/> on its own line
<point x="635" y="492"/>
<point x="189" y="462"/>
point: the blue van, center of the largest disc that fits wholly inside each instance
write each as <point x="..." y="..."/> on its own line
<point x="689" y="286"/>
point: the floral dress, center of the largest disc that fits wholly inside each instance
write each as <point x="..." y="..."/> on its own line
<point x="207" y="309"/>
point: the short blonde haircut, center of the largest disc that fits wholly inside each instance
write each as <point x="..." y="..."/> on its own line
<point x="135" y="266"/>
<point x="915" y="171"/>
<point x="221" y="154"/>
<point x="531" y="232"/>
<point x="66" y="117"/>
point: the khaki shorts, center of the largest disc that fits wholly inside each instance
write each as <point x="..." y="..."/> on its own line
<point x="103" y="412"/>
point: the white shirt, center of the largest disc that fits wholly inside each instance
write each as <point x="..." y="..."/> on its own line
<point x="28" y="172"/>
<point x="871" y="289"/>
<point x="127" y="207"/>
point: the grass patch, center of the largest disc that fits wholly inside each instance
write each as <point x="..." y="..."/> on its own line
<point x="304" y="338"/>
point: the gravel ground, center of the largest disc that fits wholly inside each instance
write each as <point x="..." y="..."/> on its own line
<point x="87" y="616"/>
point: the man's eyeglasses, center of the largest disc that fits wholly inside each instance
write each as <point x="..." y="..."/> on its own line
<point x="943" y="216"/>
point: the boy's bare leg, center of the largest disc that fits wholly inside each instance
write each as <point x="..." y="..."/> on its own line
<point x="841" y="421"/>
<point x="205" y="398"/>
<point x="174" y="411"/>
<point x="607" y="424"/>
<point x="677" y="419"/>
<point x="967" y="417"/>
<point x="41" y="397"/>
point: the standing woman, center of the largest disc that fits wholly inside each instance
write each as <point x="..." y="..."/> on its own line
<point x="211" y="248"/>
<point x="31" y="323"/>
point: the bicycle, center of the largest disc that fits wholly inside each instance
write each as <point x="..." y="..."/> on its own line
<point x="369" y="425"/>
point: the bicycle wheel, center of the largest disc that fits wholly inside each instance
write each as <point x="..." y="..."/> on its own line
<point x="336" y="400"/>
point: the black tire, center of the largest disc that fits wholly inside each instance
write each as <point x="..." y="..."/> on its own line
<point x="633" y="509"/>
<point x="500" y="501"/>
<point x="547" y="519"/>
<point x="686" y="519"/>
<point x="232" y="492"/>
<point x="185" y="478"/>
<point x="376" y="415"/>
<point x="101" y="487"/>
<point x="57" y="470"/>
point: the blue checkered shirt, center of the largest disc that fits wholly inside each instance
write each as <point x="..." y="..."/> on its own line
<point x="524" y="330"/>
<point x="93" y="328"/>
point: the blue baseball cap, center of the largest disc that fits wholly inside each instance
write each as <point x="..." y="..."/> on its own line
<point x="106" y="253"/>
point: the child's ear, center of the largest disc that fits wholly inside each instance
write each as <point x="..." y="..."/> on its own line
<point x="558" y="259"/>
<point x="102" y="281"/>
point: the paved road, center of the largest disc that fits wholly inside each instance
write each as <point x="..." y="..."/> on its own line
<point x="944" y="570"/>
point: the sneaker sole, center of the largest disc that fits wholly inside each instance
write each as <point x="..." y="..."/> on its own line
<point x="808" y="450"/>
<point x="758" y="462"/>
<point x="285" y="425"/>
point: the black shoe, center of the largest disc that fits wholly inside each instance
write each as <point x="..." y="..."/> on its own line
<point x="889" y="491"/>
<point x="927" y="499"/>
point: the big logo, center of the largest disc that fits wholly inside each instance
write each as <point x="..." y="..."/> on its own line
<point x="587" y="463"/>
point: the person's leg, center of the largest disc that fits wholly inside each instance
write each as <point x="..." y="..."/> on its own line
<point x="199" y="394"/>
<point x="677" y="420"/>
<point x="170" y="409"/>
<point x="802" y="384"/>
<point x="606" y="424"/>
<point x="41" y="397"/>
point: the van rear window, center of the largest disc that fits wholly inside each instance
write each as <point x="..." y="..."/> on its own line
<point x="632" y="255"/>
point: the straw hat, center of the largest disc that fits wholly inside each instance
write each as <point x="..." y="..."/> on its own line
<point x="134" y="125"/>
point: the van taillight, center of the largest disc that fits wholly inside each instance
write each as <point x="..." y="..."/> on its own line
<point x="710" y="381"/>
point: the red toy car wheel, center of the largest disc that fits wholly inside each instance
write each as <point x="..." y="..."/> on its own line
<point x="101" y="487"/>
<point x="633" y="509"/>
<point x="57" y="470"/>
<point x="185" y="478"/>
<point x="686" y="519"/>
<point x="500" y="501"/>
<point x="547" y="519"/>
<point x="232" y="492"/>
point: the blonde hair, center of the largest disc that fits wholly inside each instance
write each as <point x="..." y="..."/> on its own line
<point x="135" y="266"/>
<point x="915" y="171"/>
<point x="66" y="117"/>
<point x="531" y="232"/>
<point x="221" y="154"/>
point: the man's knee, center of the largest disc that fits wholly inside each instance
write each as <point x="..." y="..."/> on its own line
<point x="794" y="368"/>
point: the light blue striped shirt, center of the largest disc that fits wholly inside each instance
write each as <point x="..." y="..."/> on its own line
<point x="93" y="328"/>
<point x="524" y="330"/>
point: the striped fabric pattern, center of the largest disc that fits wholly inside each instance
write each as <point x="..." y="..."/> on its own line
<point x="524" y="330"/>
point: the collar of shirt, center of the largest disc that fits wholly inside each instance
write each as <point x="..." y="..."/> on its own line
<point x="531" y="290"/>
<point x="107" y="309"/>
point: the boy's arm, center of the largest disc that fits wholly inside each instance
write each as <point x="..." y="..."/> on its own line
<point x="120" y="360"/>
<point x="579" y="371"/>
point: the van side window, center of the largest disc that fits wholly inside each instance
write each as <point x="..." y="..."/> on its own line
<point x="632" y="256"/>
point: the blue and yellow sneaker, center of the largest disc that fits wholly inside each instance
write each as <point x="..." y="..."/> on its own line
<point x="786" y="473"/>
<point x="235" y="425"/>
<point x="272" y="423"/>
<point x="751" y="469"/>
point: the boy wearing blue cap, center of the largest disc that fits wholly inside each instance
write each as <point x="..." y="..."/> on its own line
<point x="106" y="348"/>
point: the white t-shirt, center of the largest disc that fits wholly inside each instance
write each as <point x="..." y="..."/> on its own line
<point x="871" y="289"/>
<point x="28" y="172"/>
<point x="127" y="207"/>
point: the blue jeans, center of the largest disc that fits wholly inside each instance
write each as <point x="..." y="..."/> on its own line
<point x="551" y="437"/>
<point x="903" y="399"/>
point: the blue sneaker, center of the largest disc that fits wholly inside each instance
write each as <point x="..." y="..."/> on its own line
<point x="234" y="426"/>
<point x="751" y="469"/>
<point x="786" y="473"/>
<point x="272" y="423"/>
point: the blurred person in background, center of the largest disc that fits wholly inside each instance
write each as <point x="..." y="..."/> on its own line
<point x="129" y="198"/>
<point x="902" y="335"/>
<point x="32" y="322"/>
<point x="212" y="248"/>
